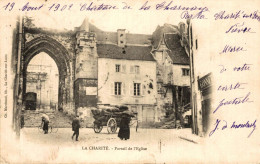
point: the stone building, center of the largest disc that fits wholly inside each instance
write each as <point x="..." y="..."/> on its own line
<point x="200" y="77"/>
<point x="128" y="77"/>
<point x="125" y="71"/>
<point x="173" y="81"/>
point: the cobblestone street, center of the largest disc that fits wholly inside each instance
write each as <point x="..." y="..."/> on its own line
<point x="146" y="144"/>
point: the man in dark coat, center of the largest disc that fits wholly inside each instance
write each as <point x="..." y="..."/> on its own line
<point x="75" y="127"/>
<point x="124" y="131"/>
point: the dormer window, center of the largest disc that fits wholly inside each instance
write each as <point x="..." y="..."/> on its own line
<point x="185" y="72"/>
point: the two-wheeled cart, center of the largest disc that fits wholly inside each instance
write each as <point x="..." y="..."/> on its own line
<point x="110" y="117"/>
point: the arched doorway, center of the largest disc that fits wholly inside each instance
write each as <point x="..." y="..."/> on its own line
<point x="42" y="83"/>
<point x="46" y="44"/>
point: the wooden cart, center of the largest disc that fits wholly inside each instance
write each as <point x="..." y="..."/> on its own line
<point x="110" y="119"/>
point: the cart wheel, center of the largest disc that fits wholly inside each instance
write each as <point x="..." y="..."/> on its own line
<point x="111" y="125"/>
<point x="97" y="128"/>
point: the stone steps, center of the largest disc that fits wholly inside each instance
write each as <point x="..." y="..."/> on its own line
<point x="57" y="119"/>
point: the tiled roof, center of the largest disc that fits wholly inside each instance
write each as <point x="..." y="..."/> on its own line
<point x="104" y="36"/>
<point x="111" y="37"/>
<point x="176" y="52"/>
<point x="127" y="52"/>
<point x="138" y="38"/>
<point x="160" y="31"/>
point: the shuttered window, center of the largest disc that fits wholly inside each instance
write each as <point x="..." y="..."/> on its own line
<point x="118" y="86"/>
<point x="137" y="89"/>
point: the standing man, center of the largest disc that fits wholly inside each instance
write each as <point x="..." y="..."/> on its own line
<point x="45" y="122"/>
<point x="75" y="127"/>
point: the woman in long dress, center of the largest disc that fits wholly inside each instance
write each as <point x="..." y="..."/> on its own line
<point x="124" y="131"/>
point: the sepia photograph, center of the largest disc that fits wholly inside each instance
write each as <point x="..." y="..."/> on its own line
<point x="129" y="82"/>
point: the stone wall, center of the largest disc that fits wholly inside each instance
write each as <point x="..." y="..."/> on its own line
<point x="63" y="50"/>
<point x="57" y="119"/>
<point x="82" y="97"/>
<point x="86" y="116"/>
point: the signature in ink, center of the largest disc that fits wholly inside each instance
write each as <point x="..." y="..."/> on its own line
<point x="233" y="126"/>
<point x="216" y="127"/>
<point x="246" y="125"/>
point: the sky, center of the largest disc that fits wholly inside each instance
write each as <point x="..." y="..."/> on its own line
<point x="45" y="60"/>
<point x="134" y="22"/>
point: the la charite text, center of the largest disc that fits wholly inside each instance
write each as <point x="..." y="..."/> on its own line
<point x="95" y="148"/>
<point x="114" y="148"/>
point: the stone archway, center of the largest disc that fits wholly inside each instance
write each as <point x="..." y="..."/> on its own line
<point x="62" y="59"/>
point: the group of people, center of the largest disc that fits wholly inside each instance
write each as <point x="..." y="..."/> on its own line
<point x="123" y="134"/>
<point x="75" y="125"/>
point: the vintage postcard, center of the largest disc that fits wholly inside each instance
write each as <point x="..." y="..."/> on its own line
<point x="123" y="81"/>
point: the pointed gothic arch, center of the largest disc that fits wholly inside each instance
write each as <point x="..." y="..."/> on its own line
<point x="61" y="57"/>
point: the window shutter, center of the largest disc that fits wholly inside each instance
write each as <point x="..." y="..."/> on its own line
<point x="123" y="68"/>
<point x="131" y="69"/>
<point x="143" y="89"/>
<point x="112" y="89"/>
<point x="131" y="89"/>
<point x="138" y="70"/>
<point x="123" y="89"/>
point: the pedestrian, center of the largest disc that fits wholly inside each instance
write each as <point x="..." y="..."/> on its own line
<point x="124" y="131"/>
<point x="22" y="118"/>
<point x="75" y="127"/>
<point x="45" y="123"/>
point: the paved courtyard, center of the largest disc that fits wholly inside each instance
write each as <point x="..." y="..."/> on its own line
<point x="147" y="145"/>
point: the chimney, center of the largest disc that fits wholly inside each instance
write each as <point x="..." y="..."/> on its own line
<point x="121" y="37"/>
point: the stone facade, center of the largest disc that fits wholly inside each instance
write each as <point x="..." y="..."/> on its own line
<point x="138" y="98"/>
<point x="200" y="74"/>
<point x="173" y="79"/>
<point x="43" y="80"/>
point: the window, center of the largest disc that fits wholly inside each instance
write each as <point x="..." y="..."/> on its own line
<point x="137" y="89"/>
<point x="137" y="69"/>
<point x="118" y="88"/>
<point x="185" y="72"/>
<point x="117" y="68"/>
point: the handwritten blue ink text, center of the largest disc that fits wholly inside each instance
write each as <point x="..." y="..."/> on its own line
<point x="229" y="48"/>
<point x="235" y="101"/>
